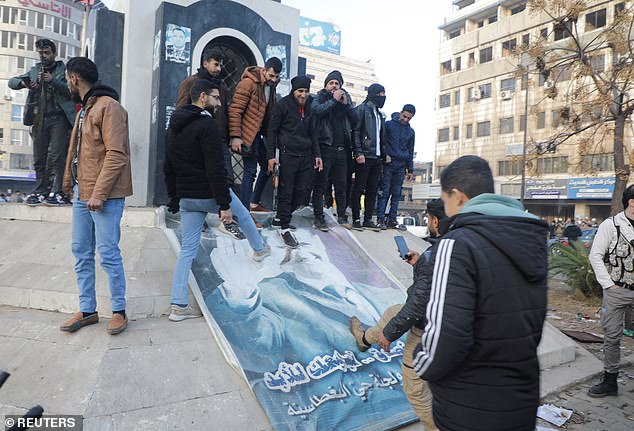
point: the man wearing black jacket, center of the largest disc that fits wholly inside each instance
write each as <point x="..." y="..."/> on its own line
<point x="289" y="133"/>
<point x="409" y="318"/>
<point x="486" y="308"/>
<point x="369" y="152"/>
<point x="196" y="183"/>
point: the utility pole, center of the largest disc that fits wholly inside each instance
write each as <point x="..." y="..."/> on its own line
<point x="84" y="22"/>
<point x="524" y="64"/>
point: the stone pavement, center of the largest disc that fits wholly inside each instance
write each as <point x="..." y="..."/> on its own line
<point x="597" y="414"/>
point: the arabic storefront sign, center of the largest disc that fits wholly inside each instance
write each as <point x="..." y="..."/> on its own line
<point x="591" y="188"/>
<point x="545" y="188"/>
<point x="56" y="7"/>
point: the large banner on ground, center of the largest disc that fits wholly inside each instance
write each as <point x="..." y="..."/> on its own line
<point x="286" y="321"/>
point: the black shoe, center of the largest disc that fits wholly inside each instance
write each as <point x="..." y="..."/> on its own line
<point x="34" y="199"/>
<point x="392" y="225"/>
<point x="289" y="239"/>
<point x="357" y="225"/>
<point x="607" y="386"/>
<point x="382" y="226"/>
<point x="276" y="223"/>
<point x="369" y="224"/>
<point x="57" y="199"/>
<point x="320" y="224"/>
<point x="343" y="221"/>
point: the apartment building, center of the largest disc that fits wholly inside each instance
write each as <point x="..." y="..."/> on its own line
<point x="483" y="99"/>
<point x="21" y="24"/>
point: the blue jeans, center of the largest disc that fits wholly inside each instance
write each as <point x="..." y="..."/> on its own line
<point x="247" y="193"/>
<point x="193" y="213"/>
<point x="100" y="230"/>
<point x="393" y="176"/>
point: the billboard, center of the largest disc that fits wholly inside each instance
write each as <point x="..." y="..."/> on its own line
<point x="323" y="36"/>
<point x="591" y="188"/>
<point x="546" y="189"/>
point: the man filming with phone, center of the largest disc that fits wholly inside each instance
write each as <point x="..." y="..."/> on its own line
<point x="50" y="112"/>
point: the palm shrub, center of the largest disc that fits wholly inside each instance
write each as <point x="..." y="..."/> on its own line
<point x="574" y="264"/>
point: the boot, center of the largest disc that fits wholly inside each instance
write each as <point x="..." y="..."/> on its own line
<point x="607" y="386"/>
<point x="357" y="329"/>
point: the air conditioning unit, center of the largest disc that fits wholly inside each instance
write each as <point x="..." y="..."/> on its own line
<point x="549" y="84"/>
<point x="476" y="94"/>
<point x="506" y="94"/>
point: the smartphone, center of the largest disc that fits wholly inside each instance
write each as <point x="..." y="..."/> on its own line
<point x="402" y="246"/>
<point x="27" y="81"/>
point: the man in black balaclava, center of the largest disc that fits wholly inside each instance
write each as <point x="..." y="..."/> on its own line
<point x="369" y="153"/>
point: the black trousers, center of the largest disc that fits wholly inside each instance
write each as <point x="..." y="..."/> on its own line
<point x="334" y="169"/>
<point x="295" y="173"/>
<point x="366" y="181"/>
<point x="50" y="146"/>
<point x="328" y="198"/>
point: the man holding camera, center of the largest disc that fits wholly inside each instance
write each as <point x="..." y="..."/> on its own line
<point x="50" y="112"/>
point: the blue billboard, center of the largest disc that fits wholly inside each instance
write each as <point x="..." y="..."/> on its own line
<point x="591" y="188"/>
<point x="323" y="36"/>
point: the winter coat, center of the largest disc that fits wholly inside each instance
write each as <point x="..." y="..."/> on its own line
<point x="220" y="114"/>
<point x="325" y="112"/>
<point x="289" y="129"/>
<point x="194" y="157"/>
<point x="486" y="312"/>
<point x="365" y="144"/>
<point x="62" y="95"/>
<point x="249" y="110"/>
<point x="400" y="143"/>
<point x="572" y="231"/>
<point x="103" y="169"/>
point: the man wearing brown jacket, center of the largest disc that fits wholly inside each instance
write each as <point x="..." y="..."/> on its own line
<point x="250" y="108"/>
<point x="99" y="176"/>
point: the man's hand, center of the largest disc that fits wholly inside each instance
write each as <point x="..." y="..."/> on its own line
<point x="173" y="205"/>
<point x="388" y="159"/>
<point x="236" y="145"/>
<point x="30" y="84"/>
<point x="340" y="96"/>
<point x="47" y="76"/>
<point x="412" y="257"/>
<point x="360" y="159"/>
<point x="319" y="164"/>
<point x="383" y="342"/>
<point x="409" y="176"/>
<point x="272" y="163"/>
<point x="225" y="216"/>
<point x="94" y="204"/>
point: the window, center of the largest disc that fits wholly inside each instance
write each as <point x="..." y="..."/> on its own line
<point x="17" y="112"/>
<point x="541" y="119"/>
<point x="518" y="9"/>
<point x="32" y="17"/>
<point x="508" y="47"/>
<point x="17" y="137"/>
<point x="1" y="136"/>
<point x="493" y="19"/>
<point x="565" y="72"/>
<point x="48" y="23"/>
<point x="5" y="39"/>
<point x="543" y="33"/>
<point x="21" y="63"/>
<point x="486" y="55"/>
<point x="21" y="161"/>
<point x="5" y="14"/>
<point x="563" y="30"/>
<point x="469" y="94"/>
<point x="454" y="34"/>
<point x="507" y="125"/>
<point x="509" y="167"/>
<point x="40" y="21"/>
<point x="522" y="122"/>
<point x="555" y="119"/>
<point x="485" y="91"/>
<point x="22" y="17"/>
<point x="513" y="190"/>
<point x="524" y="82"/>
<point x="552" y="165"/>
<point x="480" y="24"/>
<point x="458" y="63"/>
<point x="21" y="41"/>
<point x="469" y="131"/>
<point x="64" y="27"/>
<point x="56" y="25"/>
<point x="598" y="162"/>
<point x="595" y="20"/>
<point x="526" y="39"/>
<point x="445" y="67"/>
<point x="444" y="100"/>
<point x="507" y="84"/>
<point x="597" y="63"/>
<point x="71" y="29"/>
<point x="456" y="97"/>
<point x="619" y="8"/>
<point x="456" y="133"/>
<point x="484" y="129"/>
<point x="443" y="135"/>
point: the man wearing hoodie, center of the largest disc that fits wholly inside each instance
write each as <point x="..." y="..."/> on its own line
<point x="197" y="184"/>
<point x="369" y="153"/>
<point x="99" y="176"/>
<point x="252" y="104"/>
<point x="486" y="308"/>
<point x="334" y="127"/>
<point x="289" y="132"/>
<point x="400" y="153"/>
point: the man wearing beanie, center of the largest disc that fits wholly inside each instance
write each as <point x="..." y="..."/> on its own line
<point x="289" y="132"/>
<point x="369" y="152"/>
<point x="399" y="165"/>
<point x="334" y="128"/>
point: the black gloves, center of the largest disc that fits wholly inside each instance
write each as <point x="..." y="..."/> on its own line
<point x="173" y="205"/>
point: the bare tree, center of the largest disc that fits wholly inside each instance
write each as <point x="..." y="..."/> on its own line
<point x="589" y="69"/>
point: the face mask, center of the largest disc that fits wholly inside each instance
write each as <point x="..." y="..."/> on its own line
<point x="379" y="101"/>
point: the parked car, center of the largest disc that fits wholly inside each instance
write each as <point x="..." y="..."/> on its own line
<point x="587" y="235"/>
<point x="410" y="224"/>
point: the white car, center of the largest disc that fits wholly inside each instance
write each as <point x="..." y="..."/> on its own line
<point x="410" y="224"/>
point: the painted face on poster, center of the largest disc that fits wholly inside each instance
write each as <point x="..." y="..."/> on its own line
<point x="156" y="53"/>
<point x="177" y="43"/>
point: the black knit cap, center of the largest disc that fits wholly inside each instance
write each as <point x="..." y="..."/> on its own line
<point x="375" y="89"/>
<point x="335" y="74"/>
<point x="300" y="81"/>
<point x="409" y="108"/>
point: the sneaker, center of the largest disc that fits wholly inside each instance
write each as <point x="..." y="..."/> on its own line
<point x="357" y="329"/>
<point x="57" y="199"/>
<point x="259" y="208"/>
<point x="343" y="221"/>
<point x="179" y="313"/>
<point x="231" y="229"/>
<point x="392" y="225"/>
<point x="320" y="224"/>
<point x="259" y="256"/>
<point x="78" y="321"/>
<point x="34" y="199"/>
<point x="117" y="324"/>
<point x="369" y="224"/>
<point x="382" y="226"/>
<point x="289" y="239"/>
<point x="276" y="223"/>
<point x="357" y="224"/>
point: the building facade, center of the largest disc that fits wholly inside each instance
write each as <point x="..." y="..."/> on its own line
<point x="21" y="24"/>
<point x="484" y="98"/>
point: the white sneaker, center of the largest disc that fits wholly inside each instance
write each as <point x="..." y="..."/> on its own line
<point x="259" y="256"/>
<point x="181" y="313"/>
